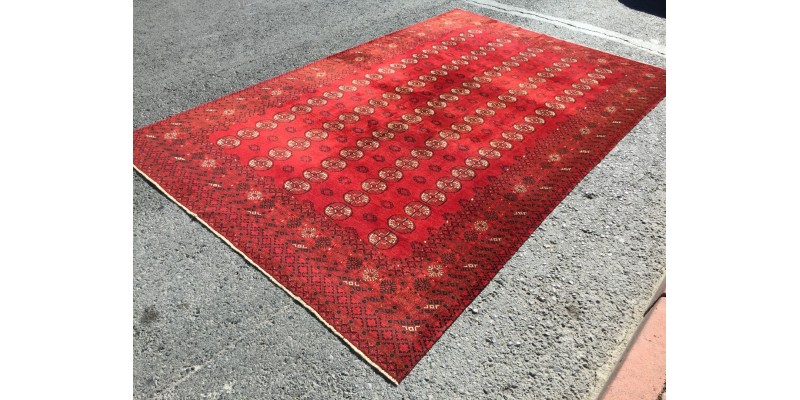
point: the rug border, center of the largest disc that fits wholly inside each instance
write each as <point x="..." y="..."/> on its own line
<point x="271" y="278"/>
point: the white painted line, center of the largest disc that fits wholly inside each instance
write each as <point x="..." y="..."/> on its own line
<point x="647" y="46"/>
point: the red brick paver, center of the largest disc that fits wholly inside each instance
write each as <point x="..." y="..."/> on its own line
<point x="642" y="374"/>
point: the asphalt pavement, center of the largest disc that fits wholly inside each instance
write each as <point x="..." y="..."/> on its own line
<point x="551" y="325"/>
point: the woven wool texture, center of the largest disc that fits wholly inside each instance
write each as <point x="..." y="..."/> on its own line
<point x="383" y="187"/>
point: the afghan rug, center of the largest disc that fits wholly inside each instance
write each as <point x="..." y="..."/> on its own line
<point x="383" y="187"/>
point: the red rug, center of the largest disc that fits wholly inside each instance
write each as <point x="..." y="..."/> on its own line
<point x="383" y="187"/>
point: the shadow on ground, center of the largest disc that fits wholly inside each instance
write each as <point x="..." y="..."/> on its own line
<point x="653" y="7"/>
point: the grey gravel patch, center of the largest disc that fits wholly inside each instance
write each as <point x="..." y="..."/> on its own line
<point x="208" y="325"/>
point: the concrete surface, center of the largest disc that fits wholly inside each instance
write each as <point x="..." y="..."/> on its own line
<point x="550" y="326"/>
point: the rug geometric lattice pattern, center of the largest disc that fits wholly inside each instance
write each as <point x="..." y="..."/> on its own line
<point x="384" y="187"/>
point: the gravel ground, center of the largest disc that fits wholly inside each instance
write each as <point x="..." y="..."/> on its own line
<point x="550" y="326"/>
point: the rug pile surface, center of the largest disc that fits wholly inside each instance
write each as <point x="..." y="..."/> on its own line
<point x="383" y="187"/>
